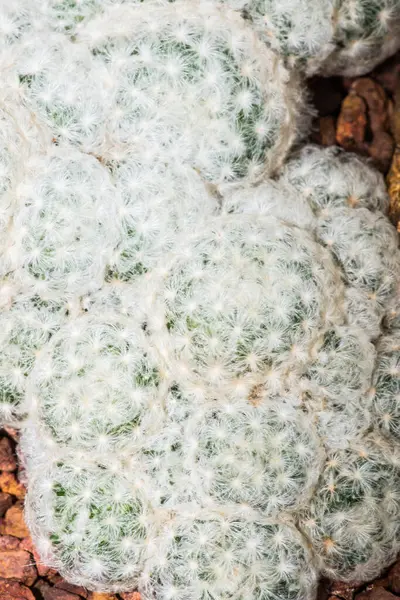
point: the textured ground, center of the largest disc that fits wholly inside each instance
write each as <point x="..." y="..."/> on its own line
<point x="361" y="115"/>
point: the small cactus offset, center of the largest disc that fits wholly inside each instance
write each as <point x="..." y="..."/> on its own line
<point x="200" y="331"/>
<point x="366" y="32"/>
<point x="330" y="37"/>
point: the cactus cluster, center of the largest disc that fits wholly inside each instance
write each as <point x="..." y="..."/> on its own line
<point x="200" y="331"/>
<point x="222" y="422"/>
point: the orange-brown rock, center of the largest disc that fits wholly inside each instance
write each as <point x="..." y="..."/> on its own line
<point x="352" y="123"/>
<point x="375" y="99"/>
<point x="8" y="542"/>
<point x="101" y="596"/>
<point x="27" y="544"/>
<point x="376" y="593"/>
<point x="130" y="596"/>
<point x="11" y="590"/>
<point x="7" y="458"/>
<point x="17" y="564"/>
<point x="381" y="146"/>
<point x="52" y="593"/>
<point x="5" y="503"/>
<point x="60" y="583"/>
<point x="43" y="570"/>
<point x="344" y="590"/>
<point x="381" y="150"/>
<point x="364" y="122"/>
<point x="393" y="183"/>
<point x="10" y="485"/>
<point x="393" y="178"/>
<point x="13" y="433"/>
<point x="14" y="523"/>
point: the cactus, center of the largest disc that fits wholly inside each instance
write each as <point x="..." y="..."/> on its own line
<point x="156" y="202"/>
<point x="348" y="198"/>
<point x="200" y="88"/>
<point x="386" y="390"/>
<point x="331" y="37"/>
<point x="57" y="81"/>
<point x="26" y="326"/>
<point x="226" y="409"/>
<point x="365" y="34"/>
<point x="65" y="202"/>
<point x="359" y="480"/>
<point x="203" y="361"/>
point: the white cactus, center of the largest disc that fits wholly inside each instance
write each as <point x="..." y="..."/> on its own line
<point x="348" y="198"/>
<point x="347" y="37"/>
<point x="204" y="363"/>
<point x="65" y="203"/>
<point x="363" y="479"/>
<point x="192" y="82"/>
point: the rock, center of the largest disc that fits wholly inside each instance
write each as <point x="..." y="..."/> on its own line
<point x="394" y="578"/>
<point x="377" y="593"/>
<point x="364" y="122"/>
<point x="40" y="588"/>
<point x="43" y="570"/>
<point x="5" y="502"/>
<point x="60" y="583"/>
<point x="375" y="98"/>
<point x="7" y="458"/>
<point x="101" y="596"/>
<point x="53" y="593"/>
<point x="352" y="123"/>
<point x="344" y="590"/>
<point x="10" y="485"/>
<point x="327" y="130"/>
<point x="17" y="564"/>
<point x="11" y="590"/>
<point x="393" y="183"/>
<point x="14" y="523"/>
<point x="381" y="150"/>
<point x="393" y="178"/>
<point x="8" y="542"/>
<point x="26" y="544"/>
<point x="130" y="596"/>
<point x="12" y="433"/>
<point x="381" y="146"/>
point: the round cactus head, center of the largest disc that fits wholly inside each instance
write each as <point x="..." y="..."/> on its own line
<point x="193" y="83"/>
<point x="330" y="37"/>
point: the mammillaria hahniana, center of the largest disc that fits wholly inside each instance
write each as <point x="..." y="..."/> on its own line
<point x="204" y="363"/>
<point x="265" y="439"/>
